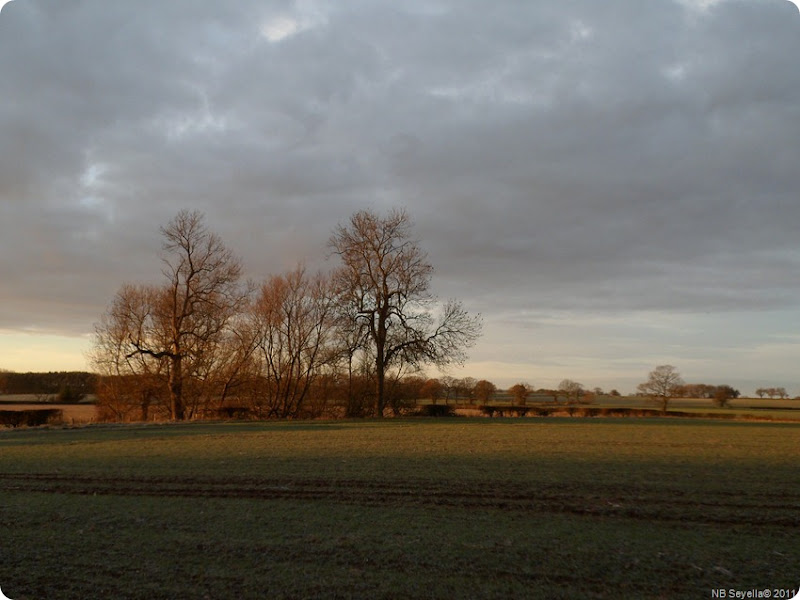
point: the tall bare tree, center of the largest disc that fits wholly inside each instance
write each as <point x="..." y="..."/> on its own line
<point x="383" y="288"/>
<point x="484" y="391"/>
<point x="180" y="325"/>
<point x="292" y="322"/>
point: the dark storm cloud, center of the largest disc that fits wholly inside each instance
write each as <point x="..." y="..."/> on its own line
<point x="613" y="156"/>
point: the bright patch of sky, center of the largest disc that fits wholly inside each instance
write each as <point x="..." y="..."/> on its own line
<point x="23" y="352"/>
<point x="304" y="16"/>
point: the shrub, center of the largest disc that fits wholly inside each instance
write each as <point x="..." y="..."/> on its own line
<point x="234" y="412"/>
<point x="30" y="418"/>
<point x="436" y="410"/>
<point x="68" y="395"/>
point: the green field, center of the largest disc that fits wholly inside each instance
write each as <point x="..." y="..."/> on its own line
<point x="416" y="508"/>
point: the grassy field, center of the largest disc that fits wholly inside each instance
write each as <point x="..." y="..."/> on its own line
<point x="83" y="412"/>
<point x="450" y="508"/>
<point x="741" y="408"/>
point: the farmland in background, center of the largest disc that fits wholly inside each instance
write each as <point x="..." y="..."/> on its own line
<point x="744" y="408"/>
<point x="73" y="413"/>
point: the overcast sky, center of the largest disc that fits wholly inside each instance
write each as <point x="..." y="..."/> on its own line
<point x="614" y="185"/>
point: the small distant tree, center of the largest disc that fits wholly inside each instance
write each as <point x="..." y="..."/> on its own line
<point x="402" y="392"/>
<point x="662" y="385"/>
<point x="433" y="390"/>
<point x="571" y="389"/>
<point x="520" y="393"/>
<point x="614" y="393"/>
<point x="761" y="392"/>
<point x="723" y="394"/>
<point x="448" y="387"/>
<point x="464" y="388"/>
<point x="484" y="391"/>
<point x="781" y="393"/>
<point x="67" y="394"/>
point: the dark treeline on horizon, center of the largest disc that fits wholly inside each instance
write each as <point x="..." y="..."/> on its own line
<point x="70" y="385"/>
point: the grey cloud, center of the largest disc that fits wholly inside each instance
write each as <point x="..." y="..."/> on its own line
<point x="611" y="156"/>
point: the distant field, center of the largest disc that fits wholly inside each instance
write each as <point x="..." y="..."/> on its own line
<point x="37" y="398"/>
<point x="742" y="407"/>
<point x="401" y="508"/>
<point x="73" y="413"/>
<point x="758" y="408"/>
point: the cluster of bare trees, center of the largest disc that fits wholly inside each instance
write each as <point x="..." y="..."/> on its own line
<point x="665" y="383"/>
<point x="705" y="390"/>
<point x="450" y="389"/>
<point x="772" y="392"/>
<point x="206" y="342"/>
<point x="720" y="394"/>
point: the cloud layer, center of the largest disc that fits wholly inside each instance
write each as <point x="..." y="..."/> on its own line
<point x="578" y="158"/>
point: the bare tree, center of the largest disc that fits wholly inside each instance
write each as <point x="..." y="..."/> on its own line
<point x="383" y="288"/>
<point x="723" y="394"/>
<point x="520" y="392"/>
<point x="663" y="383"/>
<point x="131" y="384"/>
<point x="292" y="321"/>
<point x="181" y="325"/>
<point x="484" y="391"/>
<point x="464" y="388"/>
<point x="432" y="389"/>
<point x="572" y="390"/>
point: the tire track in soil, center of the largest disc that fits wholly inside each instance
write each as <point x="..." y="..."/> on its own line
<point x="590" y="500"/>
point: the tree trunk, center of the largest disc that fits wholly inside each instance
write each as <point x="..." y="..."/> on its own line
<point x="145" y="406"/>
<point x="380" y="359"/>
<point x="177" y="410"/>
<point x="381" y="379"/>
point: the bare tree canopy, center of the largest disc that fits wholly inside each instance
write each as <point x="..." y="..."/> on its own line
<point x="572" y="389"/>
<point x="179" y="327"/>
<point x="383" y="289"/>
<point x="520" y="392"/>
<point x="291" y="321"/>
<point x="663" y="383"/>
<point x="484" y="391"/>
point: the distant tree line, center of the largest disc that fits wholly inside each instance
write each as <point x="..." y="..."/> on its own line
<point x="772" y="392"/>
<point x="704" y="390"/>
<point x="665" y="383"/>
<point x="719" y="394"/>
<point x="205" y="342"/>
<point x="65" y="386"/>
